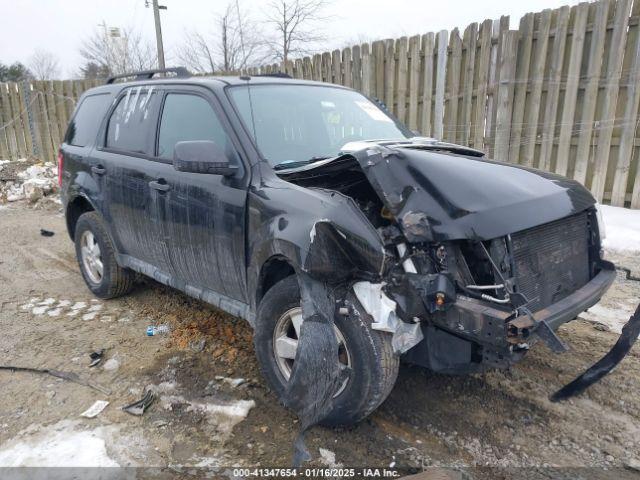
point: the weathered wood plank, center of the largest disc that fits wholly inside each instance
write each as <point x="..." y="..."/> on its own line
<point x="596" y="50"/>
<point x="414" y="78"/>
<point x="389" y="74"/>
<point x="536" y="75"/>
<point x="441" y="76"/>
<point x="522" y="79"/>
<point x="25" y="119"/>
<point x="499" y="27"/>
<point x="428" y="45"/>
<point x="317" y="67"/>
<point x="453" y="85"/>
<point x="504" y="98"/>
<point x="347" y="80"/>
<point x="629" y="122"/>
<point x="20" y="123"/>
<point x="336" y="67"/>
<point x="367" y="69"/>
<point x="470" y="40"/>
<point x="356" y="67"/>
<point x="481" y="83"/>
<point x="401" y="83"/>
<point x="553" y="93"/>
<point x="617" y="44"/>
<point x="378" y="49"/>
<point x="6" y="115"/>
<point x="52" y="117"/>
<point x="571" y="87"/>
<point x="326" y="67"/>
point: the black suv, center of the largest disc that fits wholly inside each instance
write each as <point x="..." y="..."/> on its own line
<point x="236" y="189"/>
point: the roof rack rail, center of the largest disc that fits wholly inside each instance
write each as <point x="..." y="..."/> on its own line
<point x="148" y="74"/>
<point x="274" y="74"/>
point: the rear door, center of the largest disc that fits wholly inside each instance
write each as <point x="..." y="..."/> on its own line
<point x="135" y="202"/>
<point x="80" y="140"/>
<point x="205" y="219"/>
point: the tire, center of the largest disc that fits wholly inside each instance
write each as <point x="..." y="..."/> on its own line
<point x="374" y="366"/>
<point x="114" y="280"/>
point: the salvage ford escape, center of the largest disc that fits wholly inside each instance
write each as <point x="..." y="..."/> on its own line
<point x="231" y="189"/>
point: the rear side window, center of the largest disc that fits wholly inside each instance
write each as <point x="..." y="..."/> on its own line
<point x="188" y="117"/>
<point x="132" y="124"/>
<point x="84" y="126"/>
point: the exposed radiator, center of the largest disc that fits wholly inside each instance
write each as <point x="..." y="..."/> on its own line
<point x="552" y="260"/>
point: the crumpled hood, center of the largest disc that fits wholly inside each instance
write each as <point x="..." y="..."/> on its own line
<point x="437" y="195"/>
<point x="441" y="191"/>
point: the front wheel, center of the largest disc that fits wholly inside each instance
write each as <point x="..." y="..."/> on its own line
<point x="366" y="351"/>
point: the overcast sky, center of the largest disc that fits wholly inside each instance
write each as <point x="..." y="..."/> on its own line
<point x="60" y="25"/>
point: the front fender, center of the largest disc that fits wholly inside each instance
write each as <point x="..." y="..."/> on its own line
<point x="320" y="232"/>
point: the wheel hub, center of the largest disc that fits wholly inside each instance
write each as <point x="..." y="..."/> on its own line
<point x="91" y="257"/>
<point x="285" y="343"/>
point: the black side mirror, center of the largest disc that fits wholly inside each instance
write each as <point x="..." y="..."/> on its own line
<point x="202" y="156"/>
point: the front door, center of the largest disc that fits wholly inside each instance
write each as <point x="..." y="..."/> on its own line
<point x="205" y="216"/>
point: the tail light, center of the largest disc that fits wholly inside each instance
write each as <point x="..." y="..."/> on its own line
<point x="60" y="165"/>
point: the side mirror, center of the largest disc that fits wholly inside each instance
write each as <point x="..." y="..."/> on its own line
<point x="202" y="156"/>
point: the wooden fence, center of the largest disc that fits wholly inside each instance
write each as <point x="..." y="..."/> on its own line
<point x="34" y="116"/>
<point x="560" y="93"/>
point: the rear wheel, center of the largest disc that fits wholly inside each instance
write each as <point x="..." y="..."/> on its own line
<point x="366" y="351"/>
<point x="97" y="259"/>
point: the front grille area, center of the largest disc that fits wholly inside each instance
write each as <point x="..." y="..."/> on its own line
<point x="552" y="260"/>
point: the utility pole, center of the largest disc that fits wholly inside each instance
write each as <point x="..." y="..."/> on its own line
<point x="156" y="17"/>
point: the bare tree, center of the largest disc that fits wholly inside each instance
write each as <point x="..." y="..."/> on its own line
<point x="233" y="44"/>
<point x="44" y="65"/>
<point x="296" y="23"/>
<point x="117" y="51"/>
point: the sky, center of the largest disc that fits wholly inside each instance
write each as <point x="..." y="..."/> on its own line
<point x="59" y="26"/>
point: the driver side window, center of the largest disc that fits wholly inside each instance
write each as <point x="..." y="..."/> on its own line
<point x="187" y="117"/>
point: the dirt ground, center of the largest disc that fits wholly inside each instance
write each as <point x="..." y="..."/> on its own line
<point x="500" y="421"/>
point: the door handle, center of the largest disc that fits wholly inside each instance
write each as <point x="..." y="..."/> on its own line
<point x="160" y="185"/>
<point x="98" y="169"/>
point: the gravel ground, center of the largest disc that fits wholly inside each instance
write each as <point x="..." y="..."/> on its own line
<point x="500" y="421"/>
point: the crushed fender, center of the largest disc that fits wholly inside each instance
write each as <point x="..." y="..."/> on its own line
<point x="317" y="374"/>
<point x="602" y="367"/>
<point x="70" y="376"/>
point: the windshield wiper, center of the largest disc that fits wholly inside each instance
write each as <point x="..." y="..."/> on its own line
<point x="297" y="163"/>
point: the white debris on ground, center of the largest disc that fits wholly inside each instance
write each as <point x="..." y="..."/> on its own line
<point x="31" y="183"/>
<point x="622" y="228"/>
<point x="60" y="445"/>
<point x="612" y="318"/>
<point x="328" y="458"/>
<point x="223" y="415"/>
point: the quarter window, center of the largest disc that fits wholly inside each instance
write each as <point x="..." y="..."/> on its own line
<point x="187" y="117"/>
<point x="132" y="124"/>
<point x="83" y="129"/>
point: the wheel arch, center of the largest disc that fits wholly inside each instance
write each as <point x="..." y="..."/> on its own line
<point x="76" y="207"/>
<point x="274" y="269"/>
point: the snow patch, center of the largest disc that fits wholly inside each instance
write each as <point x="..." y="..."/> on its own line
<point x="622" y="228"/>
<point x="614" y="318"/>
<point x="60" y="445"/>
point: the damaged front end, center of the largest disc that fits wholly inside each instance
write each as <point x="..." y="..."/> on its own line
<point x="482" y="259"/>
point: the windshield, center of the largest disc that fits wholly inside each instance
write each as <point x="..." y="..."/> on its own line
<point x="297" y="124"/>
